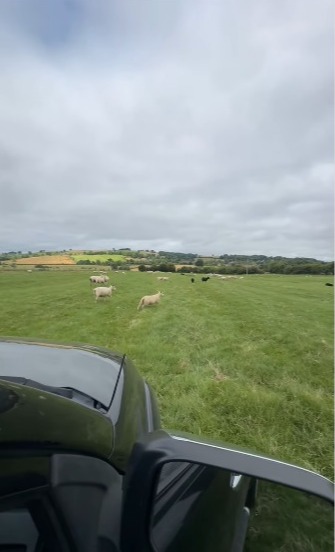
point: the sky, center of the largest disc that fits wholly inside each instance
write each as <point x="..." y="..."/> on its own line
<point x="200" y="126"/>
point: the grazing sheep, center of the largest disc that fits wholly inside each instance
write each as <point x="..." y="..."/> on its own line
<point x="162" y="278"/>
<point x="99" y="279"/>
<point x="204" y="279"/>
<point x="149" y="300"/>
<point x="103" y="292"/>
<point x="192" y="280"/>
<point x="328" y="284"/>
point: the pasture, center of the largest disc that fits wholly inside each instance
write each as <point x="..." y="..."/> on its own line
<point x="248" y="362"/>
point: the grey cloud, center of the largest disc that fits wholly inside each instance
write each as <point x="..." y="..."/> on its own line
<point x="205" y="127"/>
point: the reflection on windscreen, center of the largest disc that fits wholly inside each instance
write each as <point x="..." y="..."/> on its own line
<point x="90" y="373"/>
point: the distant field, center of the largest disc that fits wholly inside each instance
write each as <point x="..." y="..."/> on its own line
<point x="246" y="361"/>
<point x="101" y="258"/>
<point x="46" y="260"/>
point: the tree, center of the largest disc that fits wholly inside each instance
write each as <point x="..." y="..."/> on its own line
<point x="164" y="267"/>
<point x="329" y="268"/>
<point x="84" y="262"/>
<point x="210" y="269"/>
<point x="142" y="268"/>
<point x="199" y="262"/>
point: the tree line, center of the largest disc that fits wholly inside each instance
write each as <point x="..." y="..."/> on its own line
<point x="272" y="268"/>
<point x="165" y="261"/>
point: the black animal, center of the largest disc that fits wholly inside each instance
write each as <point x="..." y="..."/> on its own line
<point x="328" y="284"/>
<point x="205" y="279"/>
<point x="192" y="280"/>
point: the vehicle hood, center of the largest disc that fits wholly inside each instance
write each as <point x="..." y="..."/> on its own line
<point x="31" y="419"/>
<point x="91" y="370"/>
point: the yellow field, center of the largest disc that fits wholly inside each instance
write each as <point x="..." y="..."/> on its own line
<point x="102" y="258"/>
<point x="46" y="260"/>
<point x="181" y="265"/>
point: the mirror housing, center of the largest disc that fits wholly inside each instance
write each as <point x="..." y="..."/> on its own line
<point x="158" y="448"/>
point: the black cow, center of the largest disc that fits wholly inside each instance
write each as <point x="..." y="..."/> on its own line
<point x="205" y="279"/>
<point x="328" y="284"/>
<point x="192" y="280"/>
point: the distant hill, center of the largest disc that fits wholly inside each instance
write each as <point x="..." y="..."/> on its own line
<point x="170" y="261"/>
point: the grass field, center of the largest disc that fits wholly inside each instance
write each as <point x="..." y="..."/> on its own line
<point x="248" y="362"/>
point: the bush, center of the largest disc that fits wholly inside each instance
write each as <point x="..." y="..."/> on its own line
<point x="186" y="269"/>
<point x="164" y="267"/>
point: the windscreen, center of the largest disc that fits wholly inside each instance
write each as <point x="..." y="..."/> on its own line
<point x="87" y="372"/>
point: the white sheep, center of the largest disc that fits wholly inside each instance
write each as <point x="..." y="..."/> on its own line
<point x="99" y="279"/>
<point x="149" y="300"/>
<point x="103" y="292"/>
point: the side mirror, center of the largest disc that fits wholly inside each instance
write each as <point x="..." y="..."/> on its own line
<point x="182" y="494"/>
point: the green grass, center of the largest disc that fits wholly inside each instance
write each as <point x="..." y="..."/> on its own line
<point x="288" y="521"/>
<point x="248" y="361"/>
<point x="102" y="258"/>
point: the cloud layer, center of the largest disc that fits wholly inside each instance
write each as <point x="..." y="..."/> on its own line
<point x="192" y="126"/>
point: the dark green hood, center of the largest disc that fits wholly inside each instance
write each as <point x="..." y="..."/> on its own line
<point x="91" y="370"/>
<point x="33" y="419"/>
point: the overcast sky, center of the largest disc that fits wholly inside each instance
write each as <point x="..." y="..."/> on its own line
<point x="202" y="126"/>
